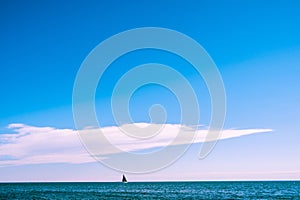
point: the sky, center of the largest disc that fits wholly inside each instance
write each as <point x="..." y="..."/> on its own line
<point x="254" y="44"/>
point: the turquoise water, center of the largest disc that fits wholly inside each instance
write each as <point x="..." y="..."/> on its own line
<point x="153" y="190"/>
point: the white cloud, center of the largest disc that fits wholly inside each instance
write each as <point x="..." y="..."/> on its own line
<point x="33" y="145"/>
<point x="36" y="145"/>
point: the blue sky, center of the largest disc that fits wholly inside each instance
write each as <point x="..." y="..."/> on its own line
<point x="255" y="44"/>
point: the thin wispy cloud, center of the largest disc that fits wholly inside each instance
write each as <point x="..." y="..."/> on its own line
<point x="40" y="145"/>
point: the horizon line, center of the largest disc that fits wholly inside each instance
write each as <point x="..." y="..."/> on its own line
<point x="160" y="181"/>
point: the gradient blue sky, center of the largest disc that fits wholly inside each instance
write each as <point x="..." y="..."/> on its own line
<point x="255" y="44"/>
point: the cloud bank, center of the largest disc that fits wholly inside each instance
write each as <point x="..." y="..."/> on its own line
<point x="40" y="145"/>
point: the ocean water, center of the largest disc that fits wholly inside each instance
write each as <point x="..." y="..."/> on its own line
<point x="153" y="190"/>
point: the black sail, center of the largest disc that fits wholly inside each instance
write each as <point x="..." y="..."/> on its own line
<point x="124" y="180"/>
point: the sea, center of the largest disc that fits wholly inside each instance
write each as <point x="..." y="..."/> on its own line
<point x="153" y="190"/>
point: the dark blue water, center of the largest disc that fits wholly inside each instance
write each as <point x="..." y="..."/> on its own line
<point x="153" y="190"/>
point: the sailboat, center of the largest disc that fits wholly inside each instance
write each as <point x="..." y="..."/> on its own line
<point x="124" y="180"/>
